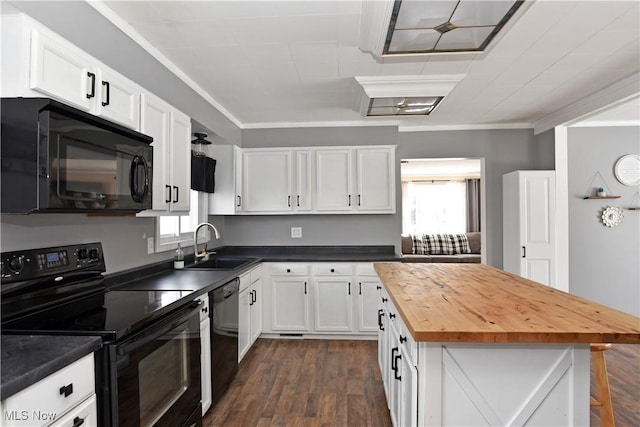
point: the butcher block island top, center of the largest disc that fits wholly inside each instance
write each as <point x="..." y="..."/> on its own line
<point x="480" y="303"/>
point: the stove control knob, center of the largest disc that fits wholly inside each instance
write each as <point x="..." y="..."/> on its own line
<point x="93" y="254"/>
<point x="82" y="253"/>
<point x="16" y="263"/>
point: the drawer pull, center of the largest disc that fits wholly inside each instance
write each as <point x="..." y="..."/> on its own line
<point x="384" y="299"/>
<point x="333" y="270"/>
<point x="402" y="339"/>
<point x="77" y="422"/>
<point x="67" y="390"/>
<point x="378" y="287"/>
<point x="392" y="316"/>
<point x="288" y="270"/>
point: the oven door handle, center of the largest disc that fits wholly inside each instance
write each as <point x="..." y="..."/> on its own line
<point x="154" y="332"/>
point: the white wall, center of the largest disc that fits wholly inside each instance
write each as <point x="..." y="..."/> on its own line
<point x="604" y="263"/>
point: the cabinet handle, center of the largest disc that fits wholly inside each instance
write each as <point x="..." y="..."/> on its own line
<point x="349" y="199"/>
<point x="239" y="200"/>
<point x="359" y="288"/>
<point x="67" y="390"/>
<point x="168" y="199"/>
<point x="384" y="299"/>
<point x="349" y="289"/>
<point x="305" y="288"/>
<point x="393" y="358"/>
<point x="397" y="370"/>
<point x="289" y="201"/>
<point x="250" y="298"/>
<point x="358" y="200"/>
<point x="402" y="339"/>
<point x="77" y="422"/>
<point x="333" y="270"/>
<point x="176" y="192"/>
<point x="392" y="315"/>
<point x="254" y="297"/>
<point x="205" y="309"/>
<point x="107" y="97"/>
<point x="524" y="252"/>
<point x="380" y="315"/>
<point x="93" y="85"/>
<point x="378" y="287"/>
<point x="298" y="200"/>
<point x="288" y="270"/>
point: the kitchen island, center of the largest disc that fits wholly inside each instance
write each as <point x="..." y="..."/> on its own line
<point x="468" y="345"/>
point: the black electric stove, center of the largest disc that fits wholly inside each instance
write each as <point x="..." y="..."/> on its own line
<point x="61" y="291"/>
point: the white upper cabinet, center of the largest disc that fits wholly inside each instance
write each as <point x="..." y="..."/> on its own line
<point x="62" y="71"/>
<point x="375" y="180"/>
<point x="171" y="132"/>
<point x="301" y="197"/>
<point x="266" y="181"/>
<point x="334" y="174"/>
<point x="357" y="180"/>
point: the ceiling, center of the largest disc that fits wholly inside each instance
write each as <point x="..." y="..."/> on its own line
<point x="292" y="63"/>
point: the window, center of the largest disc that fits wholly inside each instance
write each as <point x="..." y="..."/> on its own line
<point x="171" y="230"/>
<point x="431" y="207"/>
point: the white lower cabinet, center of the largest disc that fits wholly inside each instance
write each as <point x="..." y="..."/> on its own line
<point x="397" y="354"/>
<point x="320" y="298"/>
<point x="250" y="310"/>
<point x="64" y="398"/>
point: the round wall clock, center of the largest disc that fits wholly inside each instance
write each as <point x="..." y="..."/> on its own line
<point x="612" y="216"/>
<point x="627" y="169"/>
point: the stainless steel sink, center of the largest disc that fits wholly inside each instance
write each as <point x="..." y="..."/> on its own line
<point x="222" y="263"/>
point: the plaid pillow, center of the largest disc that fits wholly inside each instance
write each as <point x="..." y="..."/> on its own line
<point x="438" y="244"/>
<point x="419" y="247"/>
<point x="460" y="244"/>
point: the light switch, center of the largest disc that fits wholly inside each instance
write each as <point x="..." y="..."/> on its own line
<point x="296" y="232"/>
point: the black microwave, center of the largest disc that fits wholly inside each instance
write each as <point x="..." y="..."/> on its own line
<point x="55" y="158"/>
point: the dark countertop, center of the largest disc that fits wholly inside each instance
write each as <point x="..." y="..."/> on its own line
<point x="26" y="359"/>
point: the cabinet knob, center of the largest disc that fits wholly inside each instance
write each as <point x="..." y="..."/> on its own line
<point x="288" y="270"/>
<point x="77" y="422"/>
<point x="333" y="270"/>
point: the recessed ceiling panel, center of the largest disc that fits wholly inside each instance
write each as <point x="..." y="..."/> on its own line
<point x="463" y="38"/>
<point x="424" y="14"/>
<point x="413" y="40"/>
<point x="477" y="13"/>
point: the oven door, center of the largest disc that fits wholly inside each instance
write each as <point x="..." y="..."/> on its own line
<point x="158" y="373"/>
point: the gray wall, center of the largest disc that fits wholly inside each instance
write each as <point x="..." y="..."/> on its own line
<point x="82" y="25"/>
<point x="604" y="263"/>
<point x="503" y="150"/>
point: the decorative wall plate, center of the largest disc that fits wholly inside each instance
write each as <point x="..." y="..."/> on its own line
<point x="627" y="169"/>
<point x="612" y="216"/>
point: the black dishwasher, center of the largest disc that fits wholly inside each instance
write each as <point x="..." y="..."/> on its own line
<point x="224" y="305"/>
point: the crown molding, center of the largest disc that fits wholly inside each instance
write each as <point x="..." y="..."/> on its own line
<point x="612" y="95"/>
<point x="492" y="126"/>
<point x="356" y="123"/>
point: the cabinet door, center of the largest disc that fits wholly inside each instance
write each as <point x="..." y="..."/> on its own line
<point x="244" y="323"/>
<point x="62" y="71"/>
<point x="333" y="304"/>
<point x="256" y="311"/>
<point x="290" y="311"/>
<point x="333" y="180"/>
<point x="119" y="99"/>
<point x="85" y="414"/>
<point x="154" y="121"/>
<point x="266" y="181"/>
<point x="367" y="301"/>
<point x="180" y="162"/>
<point x="302" y="194"/>
<point x="408" y="393"/>
<point x="205" y="363"/>
<point x="375" y="180"/>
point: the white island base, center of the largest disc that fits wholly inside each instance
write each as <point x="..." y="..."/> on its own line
<point x="481" y="384"/>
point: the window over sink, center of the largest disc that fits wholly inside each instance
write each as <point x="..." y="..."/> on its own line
<point x="174" y="229"/>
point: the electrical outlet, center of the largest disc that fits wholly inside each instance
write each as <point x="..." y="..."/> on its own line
<point x="150" y="245"/>
<point x="296" y="232"/>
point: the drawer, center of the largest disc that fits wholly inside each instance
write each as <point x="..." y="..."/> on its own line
<point x="333" y="269"/>
<point x="289" y="269"/>
<point x="46" y="398"/>
<point x="256" y="274"/>
<point x="365" y="269"/>
<point x="85" y="414"/>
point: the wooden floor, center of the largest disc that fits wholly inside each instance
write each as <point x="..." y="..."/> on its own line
<point x="305" y="383"/>
<point x="337" y="383"/>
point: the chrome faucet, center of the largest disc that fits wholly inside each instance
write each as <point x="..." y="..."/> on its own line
<point x="204" y="254"/>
